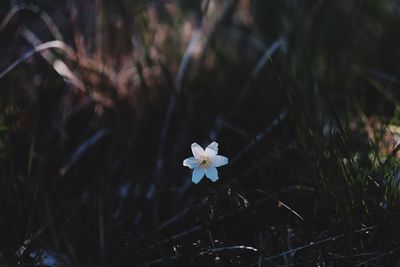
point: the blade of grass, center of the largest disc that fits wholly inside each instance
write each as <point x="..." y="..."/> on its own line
<point x="83" y="148"/>
<point x="58" y="65"/>
<point x="35" y="9"/>
<point x="312" y="244"/>
<point x="39" y="48"/>
<point x="31" y="157"/>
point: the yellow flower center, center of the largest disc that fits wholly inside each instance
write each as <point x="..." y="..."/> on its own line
<point x="205" y="162"/>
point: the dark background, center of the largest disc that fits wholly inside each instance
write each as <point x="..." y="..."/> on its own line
<point x="302" y="97"/>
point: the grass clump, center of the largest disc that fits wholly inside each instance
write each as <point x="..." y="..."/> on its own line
<point x="100" y="103"/>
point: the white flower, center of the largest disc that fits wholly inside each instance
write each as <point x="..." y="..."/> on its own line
<point x="205" y="162"/>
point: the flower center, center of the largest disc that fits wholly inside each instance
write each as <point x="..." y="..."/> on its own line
<point x="204" y="162"/>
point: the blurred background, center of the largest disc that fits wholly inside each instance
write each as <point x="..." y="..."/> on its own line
<point x="100" y="101"/>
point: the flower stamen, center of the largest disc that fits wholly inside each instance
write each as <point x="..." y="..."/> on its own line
<point x="204" y="162"/>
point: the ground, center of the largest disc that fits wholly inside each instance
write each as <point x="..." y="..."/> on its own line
<point x="101" y="101"/>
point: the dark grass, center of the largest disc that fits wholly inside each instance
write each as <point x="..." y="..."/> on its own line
<point x="302" y="96"/>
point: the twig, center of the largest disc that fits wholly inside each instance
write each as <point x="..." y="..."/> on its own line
<point x="21" y="250"/>
<point x="210" y="251"/>
<point x="283" y="204"/>
<point x="378" y="257"/>
<point x="225" y="216"/>
<point x="312" y="244"/>
<point x="223" y="249"/>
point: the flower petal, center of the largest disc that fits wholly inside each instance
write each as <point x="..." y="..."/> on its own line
<point x="197" y="150"/>
<point x="211" y="173"/>
<point x="212" y="149"/>
<point x="191" y="162"/>
<point x="198" y="173"/>
<point x="219" y="161"/>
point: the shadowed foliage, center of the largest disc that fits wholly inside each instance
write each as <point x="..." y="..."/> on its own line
<point x="101" y="100"/>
